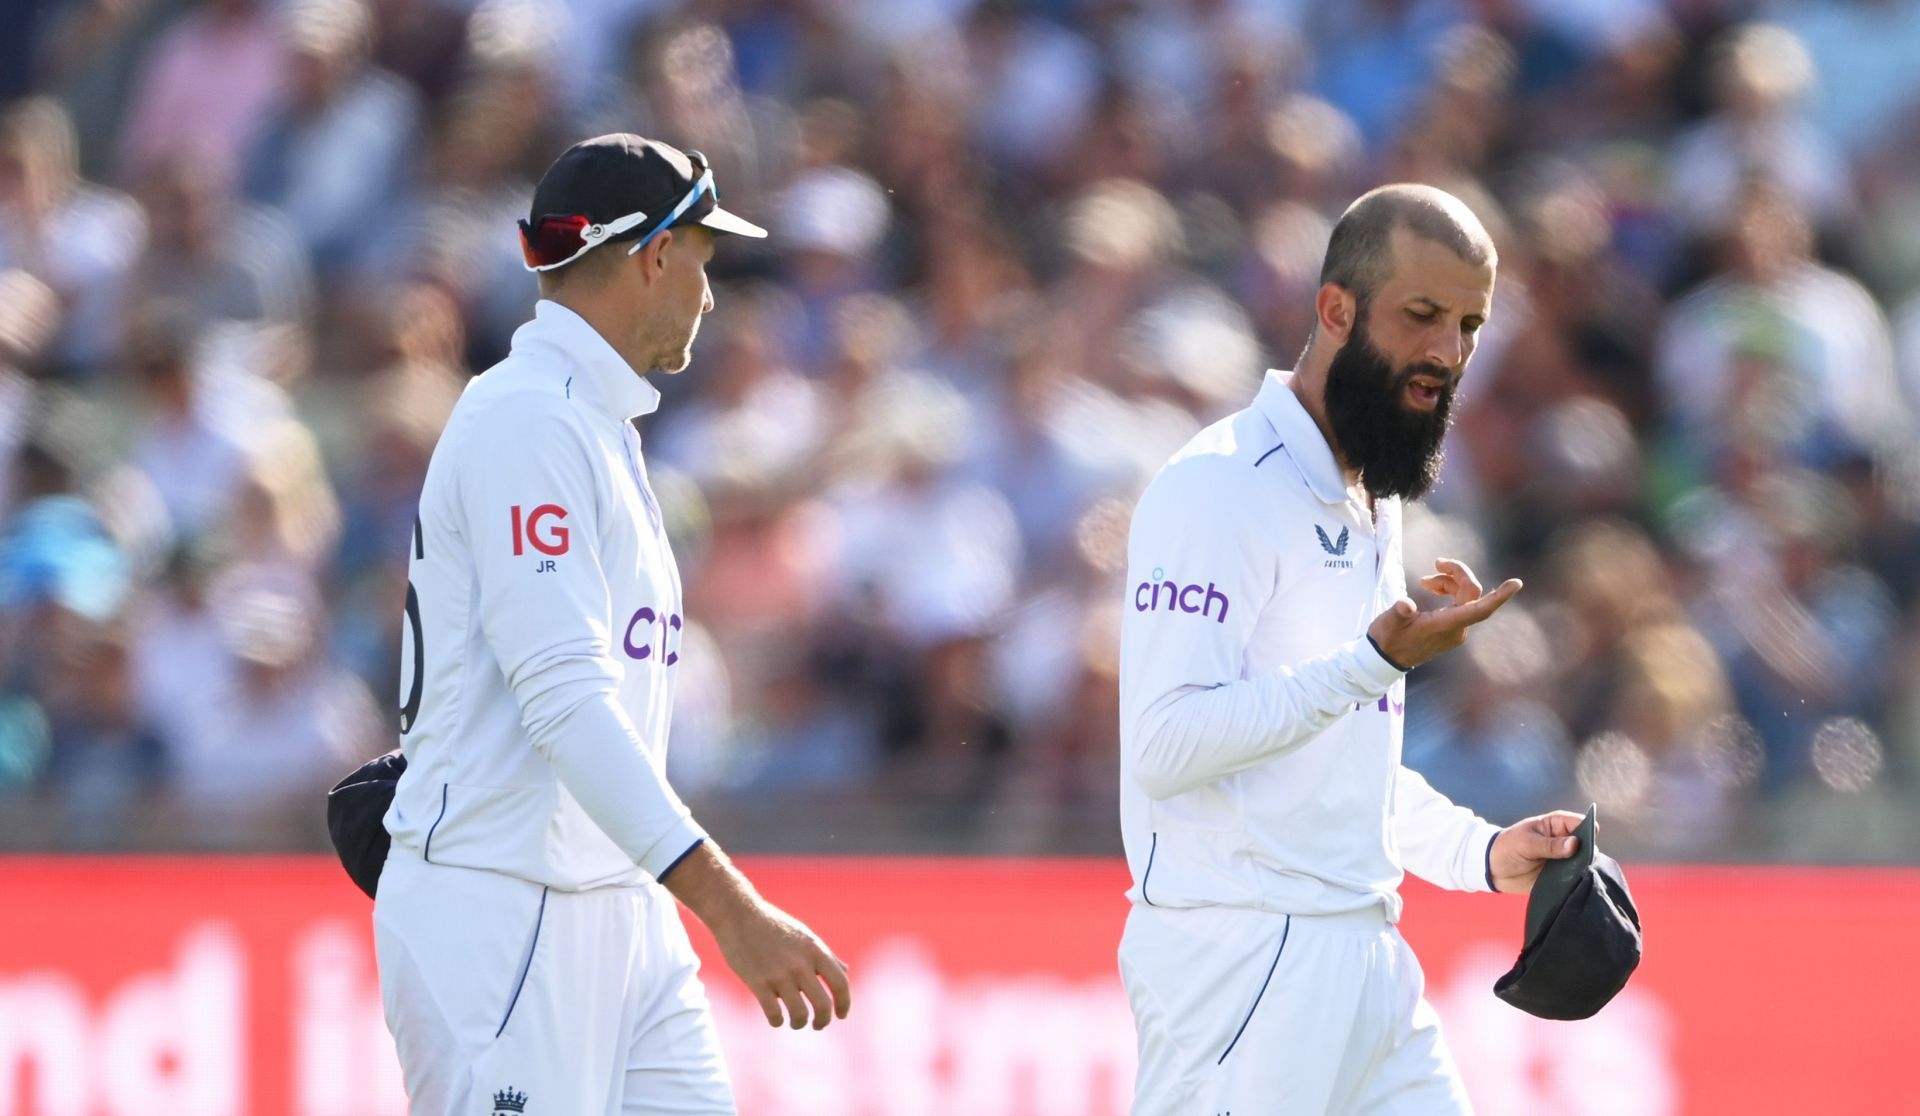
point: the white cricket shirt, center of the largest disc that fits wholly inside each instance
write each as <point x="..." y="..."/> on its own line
<point x="543" y="628"/>
<point x="1260" y="731"/>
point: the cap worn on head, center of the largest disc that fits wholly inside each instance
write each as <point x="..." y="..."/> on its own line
<point x="618" y="188"/>
<point x="1583" y="935"/>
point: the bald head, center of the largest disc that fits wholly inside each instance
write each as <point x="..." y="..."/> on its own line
<point x="1406" y="286"/>
<point x="1360" y="252"/>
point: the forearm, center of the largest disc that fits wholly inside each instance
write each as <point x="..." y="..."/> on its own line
<point x="599" y="758"/>
<point x="1195" y="736"/>
<point x="1440" y="841"/>
<point x="711" y="887"/>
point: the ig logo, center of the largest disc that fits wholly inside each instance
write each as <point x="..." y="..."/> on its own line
<point x="553" y="542"/>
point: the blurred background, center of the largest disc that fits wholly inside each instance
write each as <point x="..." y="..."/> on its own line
<point x="250" y="251"/>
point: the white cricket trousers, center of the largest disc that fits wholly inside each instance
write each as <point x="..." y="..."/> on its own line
<point x="1246" y="1013"/>
<point x="587" y="1003"/>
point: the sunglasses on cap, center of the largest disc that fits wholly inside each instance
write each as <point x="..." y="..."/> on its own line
<point x="558" y="239"/>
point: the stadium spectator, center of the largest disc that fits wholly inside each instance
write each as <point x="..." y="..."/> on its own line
<point x="105" y="763"/>
<point x="1759" y="73"/>
<point x="1866" y="93"/>
<point x="78" y="238"/>
<point x="209" y="83"/>
<point x="335" y="148"/>
<point x="29" y="319"/>
<point x="194" y="462"/>
<point x="1779" y="347"/>
<point x="226" y="260"/>
<point x="1806" y="633"/>
<point x="1020" y="254"/>
<point x="285" y="719"/>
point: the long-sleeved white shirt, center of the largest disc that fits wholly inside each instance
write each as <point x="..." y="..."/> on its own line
<point x="1260" y="730"/>
<point x="543" y="628"/>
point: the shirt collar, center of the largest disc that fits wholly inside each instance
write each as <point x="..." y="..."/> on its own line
<point x="1301" y="437"/>
<point x="599" y="373"/>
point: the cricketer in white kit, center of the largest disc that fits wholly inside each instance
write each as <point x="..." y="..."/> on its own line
<point x="531" y="960"/>
<point x="1265" y="641"/>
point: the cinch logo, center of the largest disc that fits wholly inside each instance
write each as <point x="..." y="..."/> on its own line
<point x="646" y="624"/>
<point x="1384" y="705"/>
<point x="555" y="541"/>
<point x="1150" y="595"/>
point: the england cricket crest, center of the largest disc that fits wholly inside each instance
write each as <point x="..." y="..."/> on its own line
<point x="509" y="1102"/>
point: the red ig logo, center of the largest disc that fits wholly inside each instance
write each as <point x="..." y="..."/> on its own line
<point x="555" y="540"/>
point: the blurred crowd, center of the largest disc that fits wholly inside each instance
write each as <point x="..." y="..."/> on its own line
<point x="250" y="250"/>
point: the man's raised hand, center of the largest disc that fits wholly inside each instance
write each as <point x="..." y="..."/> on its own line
<point x="1408" y="636"/>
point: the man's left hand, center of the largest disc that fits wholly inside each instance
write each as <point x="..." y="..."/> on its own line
<point x="1524" y="847"/>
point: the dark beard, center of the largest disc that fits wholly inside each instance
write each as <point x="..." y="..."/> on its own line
<point x="1397" y="450"/>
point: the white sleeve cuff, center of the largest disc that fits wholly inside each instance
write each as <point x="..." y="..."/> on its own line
<point x="661" y="875"/>
<point x="685" y="836"/>
<point x="1369" y="667"/>
<point x="1482" y="841"/>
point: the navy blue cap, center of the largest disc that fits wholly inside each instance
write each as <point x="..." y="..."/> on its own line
<point x="609" y="177"/>
<point x="1583" y="935"/>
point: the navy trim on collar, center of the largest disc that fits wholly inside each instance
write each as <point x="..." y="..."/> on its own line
<point x="1300" y="436"/>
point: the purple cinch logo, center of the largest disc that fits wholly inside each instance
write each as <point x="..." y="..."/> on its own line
<point x="1168" y="594"/>
<point x="647" y="624"/>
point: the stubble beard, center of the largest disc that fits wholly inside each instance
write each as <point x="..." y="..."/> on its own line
<point x="676" y="361"/>
<point x="673" y="356"/>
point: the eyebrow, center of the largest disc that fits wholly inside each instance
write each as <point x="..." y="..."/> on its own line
<point x="1442" y="307"/>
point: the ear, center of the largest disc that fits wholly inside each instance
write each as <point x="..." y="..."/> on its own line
<point x="653" y="258"/>
<point x="1334" y="308"/>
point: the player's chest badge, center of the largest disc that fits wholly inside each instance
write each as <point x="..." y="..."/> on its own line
<point x="1336" y="549"/>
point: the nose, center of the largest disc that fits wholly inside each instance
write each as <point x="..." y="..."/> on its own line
<point x="1448" y="349"/>
<point x="706" y="296"/>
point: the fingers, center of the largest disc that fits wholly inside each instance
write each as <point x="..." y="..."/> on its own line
<point x="1473" y="612"/>
<point x="1460" y="617"/>
<point x="769" y="1006"/>
<point x="816" y="998"/>
<point x="1406" y="638"/>
<point x="784" y="965"/>
<point x="1555" y="848"/>
<point x="1560" y="827"/>
<point x="835" y="974"/>
<point x="1558" y="848"/>
<point x="1560" y="823"/>
<point x="1534" y="846"/>
<point x="1553" y="835"/>
<point x="807" y="998"/>
<point x="1467" y="586"/>
<point x="790" y="994"/>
